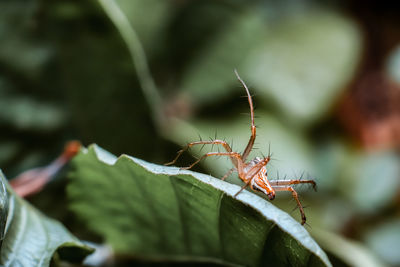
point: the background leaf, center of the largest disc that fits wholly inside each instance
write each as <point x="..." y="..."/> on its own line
<point x="385" y="240"/>
<point x="159" y="212"/>
<point x="362" y="171"/>
<point x="31" y="238"/>
<point x="223" y="53"/>
<point x="345" y="251"/>
<point x="290" y="68"/>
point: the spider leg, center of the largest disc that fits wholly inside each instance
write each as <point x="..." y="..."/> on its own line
<point x="227" y="174"/>
<point x="218" y="142"/>
<point x="232" y="155"/>
<point x="296" y="197"/>
<point x="291" y="182"/>
<point x="241" y="189"/>
<point x="250" y="144"/>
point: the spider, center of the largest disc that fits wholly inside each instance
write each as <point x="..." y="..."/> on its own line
<point x="253" y="172"/>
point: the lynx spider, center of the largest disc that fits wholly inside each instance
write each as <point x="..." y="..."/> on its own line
<point x="253" y="172"/>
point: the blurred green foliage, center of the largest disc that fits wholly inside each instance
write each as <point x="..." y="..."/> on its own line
<point x="66" y="73"/>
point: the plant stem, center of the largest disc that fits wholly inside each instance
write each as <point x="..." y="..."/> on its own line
<point x="138" y="56"/>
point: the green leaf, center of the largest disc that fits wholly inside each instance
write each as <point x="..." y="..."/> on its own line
<point x="384" y="240"/>
<point x="361" y="171"/>
<point x="25" y="113"/>
<point x="157" y="212"/>
<point x="31" y="238"/>
<point x="226" y="51"/>
<point x="349" y="252"/>
<point x="18" y="50"/>
<point x="305" y="63"/>
<point x="92" y="83"/>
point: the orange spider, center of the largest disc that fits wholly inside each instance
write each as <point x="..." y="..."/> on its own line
<point x="254" y="172"/>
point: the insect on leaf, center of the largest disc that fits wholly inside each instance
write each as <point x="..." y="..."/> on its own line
<point x="156" y="212"/>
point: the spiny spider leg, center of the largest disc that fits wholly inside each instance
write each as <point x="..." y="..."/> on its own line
<point x="250" y="144"/>
<point x="228" y="173"/>
<point x="254" y="172"/>
<point x="241" y="189"/>
<point x="290" y="182"/>
<point x="218" y="142"/>
<point x="233" y="155"/>
<point x="296" y="197"/>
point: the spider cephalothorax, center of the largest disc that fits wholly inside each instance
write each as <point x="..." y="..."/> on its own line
<point x="253" y="172"/>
